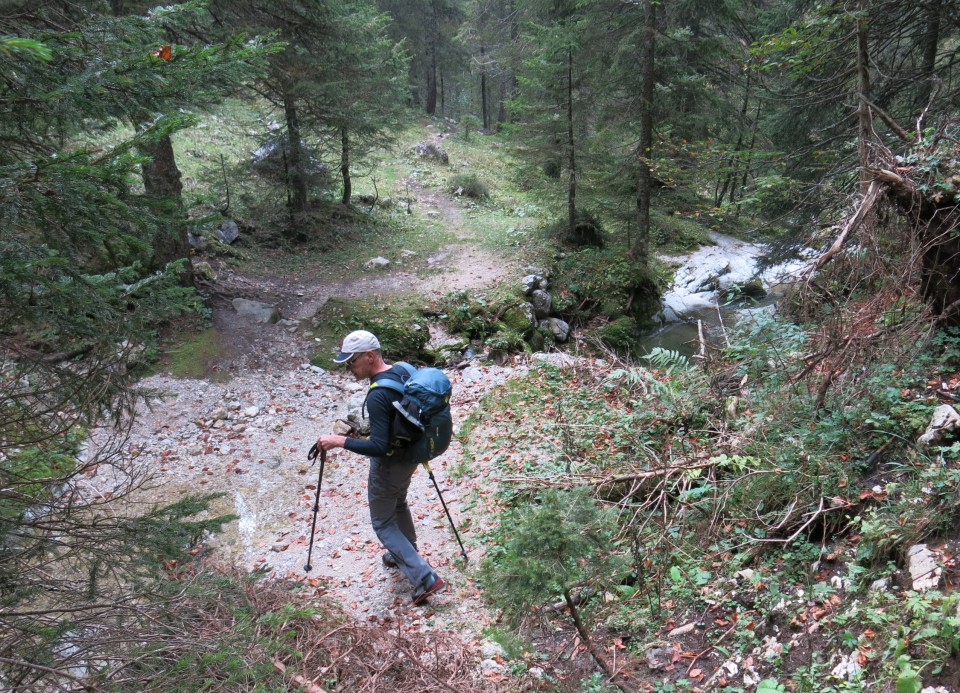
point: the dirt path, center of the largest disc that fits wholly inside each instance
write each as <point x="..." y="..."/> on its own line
<point x="461" y="265"/>
<point x="247" y="439"/>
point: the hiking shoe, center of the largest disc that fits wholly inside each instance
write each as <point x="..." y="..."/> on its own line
<point x="388" y="560"/>
<point x="421" y="593"/>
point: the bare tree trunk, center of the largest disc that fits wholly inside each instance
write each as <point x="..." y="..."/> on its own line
<point x="431" y="102"/>
<point x="930" y="43"/>
<point x="864" y="115"/>
<point x="161" y="180"/>
<point x="345" y="164"/>
<point x="641" y="248"/>
<point x="296" y="175"/>
<point x="508" y="83"/>
<point x="572" y="186"/>
<point x="483" y="88"/>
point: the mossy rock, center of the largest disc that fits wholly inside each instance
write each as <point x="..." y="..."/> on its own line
<point x="541" y="339"/>
<point x="752" y="289"/>
<point x="604" y="283"/>
<point x="520" y="318"/>
<point x="476" y="314"/>
<point x="402" y="331"/>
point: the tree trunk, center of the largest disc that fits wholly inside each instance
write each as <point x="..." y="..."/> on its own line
<point x="483" y="88"/>
<point x="431" y="100"/>
<point x="508" y="83"/>
<point x="345" y="164"/>
<point x="296" y="174"/>
<point x="161" y="180"/>
<point x="641" y="248"/>
<point x="864" y="116"/>
<point x="929" y="44"/>
<point x="572" y="185"/>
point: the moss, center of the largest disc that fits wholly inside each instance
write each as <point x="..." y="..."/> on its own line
<point x="520" y="318"/>
<point x="620" y="335"/>
<point x="505" y="341"/>
<point x="402" y="331"/>
<point x="604" y="282"/>
<point x="195" y="357"/>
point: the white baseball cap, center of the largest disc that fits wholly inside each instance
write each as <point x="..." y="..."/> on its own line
<point x="356" y="343"/>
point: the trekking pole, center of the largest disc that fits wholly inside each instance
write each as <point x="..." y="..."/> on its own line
<point x="312" y="456"/>
<point x="463" y="551"/>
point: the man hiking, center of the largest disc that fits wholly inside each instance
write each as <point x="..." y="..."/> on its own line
<point x="390" y="468"/>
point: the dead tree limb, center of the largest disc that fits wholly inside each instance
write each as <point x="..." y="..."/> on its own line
<point x="866" y="205"/>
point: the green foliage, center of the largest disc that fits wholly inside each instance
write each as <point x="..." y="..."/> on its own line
<point x="604" y="281"/>
<point x="544" y="548"/>
<point x="402" y="330"/>
<point x="505" y="341"/>
<point x="469" y="123"/>
<point x="468" y="185"/>
<point x="620" y="335"/>
<point x="26" y="474"/>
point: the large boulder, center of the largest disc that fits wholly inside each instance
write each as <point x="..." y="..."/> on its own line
<point x="559" y="328"/>
<point x="256" y="311"/>
<point x="228" y="232"/>
<point x="542" y="303"/>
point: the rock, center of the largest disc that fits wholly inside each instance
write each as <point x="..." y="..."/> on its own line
<point x="491" y="666"/>
<point x="251" y="411"/>
<point x="924" y="570"/>
<point x="205" y="271"/>
<point x="945" y="420"/>
<point x="848" y="668"/>
<point x="521" y="318"/>
<point x="542" y="303"/>
<point x="428" y="150"/>
<point x="197" y="242"/>
<point x="682" y="630"/>
<point x="559" y="328"/>
<point x="377" y="263"/>
<point x="659" y="658"/>
<point x="256" y="311"/>
<point x="558" y="359"/>
<point x="490" y="649"/>
<point x="228" y="232"/>
<point x="530" y="283"/>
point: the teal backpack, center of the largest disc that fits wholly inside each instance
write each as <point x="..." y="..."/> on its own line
<point x="422" y="423"/>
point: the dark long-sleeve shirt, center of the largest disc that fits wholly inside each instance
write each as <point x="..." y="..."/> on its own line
<point x="380" y="410"/>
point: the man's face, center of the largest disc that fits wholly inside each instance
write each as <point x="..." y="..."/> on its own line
<point x="359" y="365"/>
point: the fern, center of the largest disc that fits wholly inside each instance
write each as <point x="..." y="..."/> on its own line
<point x="668" y="360"/>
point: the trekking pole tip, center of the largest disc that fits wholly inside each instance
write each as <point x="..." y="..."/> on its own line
<point x="307" y="568"/>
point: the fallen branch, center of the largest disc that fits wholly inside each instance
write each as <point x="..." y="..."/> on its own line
<point x="866" y="205"/>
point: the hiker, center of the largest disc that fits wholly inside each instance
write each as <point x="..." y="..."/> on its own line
<point x="389" y="476"/>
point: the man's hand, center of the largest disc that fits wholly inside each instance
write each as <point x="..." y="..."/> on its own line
<point x="330" y="442"/>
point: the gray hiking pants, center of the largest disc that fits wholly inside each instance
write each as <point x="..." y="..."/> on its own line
<point x="387" y="487"/>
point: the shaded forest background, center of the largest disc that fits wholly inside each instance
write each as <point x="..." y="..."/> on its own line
<point x="641" y="126"/>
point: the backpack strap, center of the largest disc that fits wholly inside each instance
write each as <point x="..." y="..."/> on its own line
<point x="390" y="380"/>
<point x="393" y="380"/>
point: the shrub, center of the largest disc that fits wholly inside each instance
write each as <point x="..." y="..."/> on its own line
<point x="402" y="331"/>
<point x="468" y="185"/>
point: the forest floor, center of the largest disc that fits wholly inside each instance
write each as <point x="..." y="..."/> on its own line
<point x="244" y="432"/>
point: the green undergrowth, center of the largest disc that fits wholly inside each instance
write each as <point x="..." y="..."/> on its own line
<point x="403" y="332"/>
<point x="195" y="356"/>
<point x="750" y="506"/>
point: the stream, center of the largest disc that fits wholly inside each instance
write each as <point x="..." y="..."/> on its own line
<point x="702" y="286"/>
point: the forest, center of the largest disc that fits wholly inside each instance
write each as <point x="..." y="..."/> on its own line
<point x="748" y="515"/>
